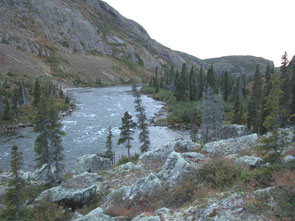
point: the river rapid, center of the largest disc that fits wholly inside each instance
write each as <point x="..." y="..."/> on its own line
<point x="87" y="127"/>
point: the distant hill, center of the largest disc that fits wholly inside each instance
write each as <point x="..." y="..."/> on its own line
<point x="239" y="64"/>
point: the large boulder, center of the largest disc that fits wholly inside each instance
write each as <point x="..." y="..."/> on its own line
<point x="41" y="174"/>
<point x="70" y="197"/>
<point x="156" y="158"/>
<point x="175" y="169"/>
<point x="231" y="146"/>
<point x="146" y="186"/>
<point x="95" y="215"/>
<point x="249" y="161"/>
<point x="288" y="159"/>
<point x="185" y="145"/>
<point x="233" y="131"/>
<point x="129" y="166"/>
<point x="92" y="163"/>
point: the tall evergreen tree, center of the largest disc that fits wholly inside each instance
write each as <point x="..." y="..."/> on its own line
<point x="211" y="79"/>
<point x="237" y="111"/>
<point x="201" y="83"/>
<point x="226" y="90"/>
<point x="7" y="113"/>
<point x="285" y="87"/>
<point x="292" y="106"/>
<point x="55" y="147"/>
<point x="212" y="115"/>
<point x="109" y="146"/>
<point x="127" y="131"/>
<point x="37" y="93"/>
<point x="255" y="105"/>
<point x="15" y="192"/>
<point x="181" y="88"/>
<point x="192" y="85"/>
<point x="142" y="123"/>
<point x="1" y="106"/>
<point x="271" y="147"/>
<point x="14" y="102"/>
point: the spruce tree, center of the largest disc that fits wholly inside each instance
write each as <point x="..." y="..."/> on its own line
<point x="285" y="87"/>
<point x="181" y="88"/>
<point x="255" y="105"/>
<point x="142" y="123"/>
<point x="211" y="79"/>
<point x="36" y="93"/>
<point x="237" y="111"/>
<point x="55" y="147"/>
<point x="1" y="106"/>
<point x="292" y="106"/>
<point x="109" y="146"/>
<point x="271" y="147"/>
<point x="192" y="85"/>
<point x="127" y="131"/>
<point x="226" y="90"/>
<point x="14" y="102"/>
<point x="15" y="192"/>
<point x="7" y="113"/>
<point x="201" y="83"/>
<point x="212" y="115"/>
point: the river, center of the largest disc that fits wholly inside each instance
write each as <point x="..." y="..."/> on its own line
<point x="87" y="128"/>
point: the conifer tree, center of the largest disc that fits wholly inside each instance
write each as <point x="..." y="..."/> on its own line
<point x="109" y="146"/>
<point x="55" y="147"/>
<point x="285" y="87"/>
<point x="255" y="105"/>
<point x="211" y="79"/>
<point x="292" y="106"/>
<point x="142" y="123"/>
<point x="181" y="92"/>
<point x="212" y="115"/>
<point x="226" y="86"/>
<point x="7" y="113"/>
<point x="201" y="83"/>
<point x="15" y="193"/>
<point x="127" y="131"/>
<point x="271" y="147"/>
<point x="14" y="106"/>
<point x="238" y="111"/>
<point x="192" y="85"/>
<point x="37" y="93"/>
<point x="1" y="106"/>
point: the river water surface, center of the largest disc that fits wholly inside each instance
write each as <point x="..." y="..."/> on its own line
<point x="87" y="128"/>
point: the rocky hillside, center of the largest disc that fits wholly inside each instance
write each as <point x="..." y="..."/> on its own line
<point x="83" y="40"/>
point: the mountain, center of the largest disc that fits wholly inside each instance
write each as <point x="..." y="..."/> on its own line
<point x="81" y="41"/>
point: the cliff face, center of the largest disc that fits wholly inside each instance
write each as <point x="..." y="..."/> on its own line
<point x="69" y="39"/>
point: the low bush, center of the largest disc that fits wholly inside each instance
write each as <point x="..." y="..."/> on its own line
<point x="124" y="159"/>
<point x="26" y="214"/>
<point x="262" y="177"/>
<point x="46" y="210"/>
<point x="220" y="173"/>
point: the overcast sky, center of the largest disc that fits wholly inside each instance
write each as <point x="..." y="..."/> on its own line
<point x="214" y="28"/>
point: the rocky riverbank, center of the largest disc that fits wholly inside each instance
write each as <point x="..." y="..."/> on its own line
<point x="170" y="183"/>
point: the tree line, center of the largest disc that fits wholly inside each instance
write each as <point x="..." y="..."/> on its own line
<point x="244" y="97"/>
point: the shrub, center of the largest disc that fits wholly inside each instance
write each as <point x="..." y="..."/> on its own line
<point x="46" y="210"/>
<point x="262" y="177"/>
<point x="220" y="173"/>
<point x="124" y="159"/>
<point x="26" y="214"/>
